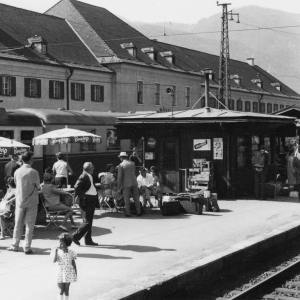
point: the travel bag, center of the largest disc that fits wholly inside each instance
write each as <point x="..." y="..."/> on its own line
<point x="270" y="190"/>
<point x="190" y="205"/>
<point x="170" y="208"/>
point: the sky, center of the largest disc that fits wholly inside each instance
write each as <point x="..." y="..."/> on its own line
<point x="151" y="11"/>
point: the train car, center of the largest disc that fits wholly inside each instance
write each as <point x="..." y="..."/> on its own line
<point x="24" y="124"/>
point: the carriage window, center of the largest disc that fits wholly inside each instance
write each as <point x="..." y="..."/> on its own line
<point x="26" y="138"/>
<point x="9" y="134"/>
<point x="88" y="147"/>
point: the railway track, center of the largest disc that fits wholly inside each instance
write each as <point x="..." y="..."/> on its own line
<point x="286" y="274"/>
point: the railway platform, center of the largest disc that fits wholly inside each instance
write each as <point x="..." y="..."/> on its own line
<point x="151" y="256"/>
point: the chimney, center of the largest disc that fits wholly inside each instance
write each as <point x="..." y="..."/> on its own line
<point x="250" y="61"/>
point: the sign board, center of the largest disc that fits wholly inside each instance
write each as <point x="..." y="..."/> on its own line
<point x="149" y="155"/>
<point x="151" y="143"/>
<point x="218" y="148"/>
<point x="202" y="145"/>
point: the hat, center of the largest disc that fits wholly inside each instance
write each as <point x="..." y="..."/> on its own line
<point x="47" y="176"/>
<point x="123" y="154"/>
<point x="153" y="169"/>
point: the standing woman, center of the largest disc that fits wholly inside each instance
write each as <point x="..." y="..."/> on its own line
<point x="291" y="172"/>
<point x="61" y="170"/>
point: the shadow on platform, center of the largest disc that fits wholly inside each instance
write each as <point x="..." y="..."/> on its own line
<point x="135" y="248"/>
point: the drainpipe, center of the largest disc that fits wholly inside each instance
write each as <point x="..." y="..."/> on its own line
<point x="68" y="88"/>
<point x="261" y="97"/>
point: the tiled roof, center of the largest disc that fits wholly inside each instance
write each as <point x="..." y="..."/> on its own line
<point x="205" y="114"/>
<point x="112" y="32"/>
<point x="17" y="25"/>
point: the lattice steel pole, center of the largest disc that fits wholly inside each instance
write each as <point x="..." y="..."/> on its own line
<point x="224" y="88"/>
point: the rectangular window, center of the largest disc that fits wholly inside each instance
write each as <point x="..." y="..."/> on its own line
<point x="231" y="104"/>
<point x="269" y="108"/>
<point x="56" y="89"/>
<point x="157" y="94"/>
<point x="173" y="95"/>
<point x="84" y="147"/>
<point x="262" y="108"/>
<point x="77" y="91"/>
<point x="275" y="107"/>
<point x="9" y="134"/>
<point x="188" y="96"/>
<point x="26" y="138"/>
<point x="97" y="93"/>
<point x="8" y="86"/>
<point x="32" y="88"/>
<point x="140" y="91"/>
<point x="255" y="107"/>
<point x="281" y="106"/>
<point x="247" y="106"/>
<point x="239" y="105"/>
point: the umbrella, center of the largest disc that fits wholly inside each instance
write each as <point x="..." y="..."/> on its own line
<point x="66" y="136"/>
<point x="10" y="147"/>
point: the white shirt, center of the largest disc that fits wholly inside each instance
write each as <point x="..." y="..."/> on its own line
<point x="92" y="190"/>
<point x="145" y="181"/>
<point x="60" y="168"/>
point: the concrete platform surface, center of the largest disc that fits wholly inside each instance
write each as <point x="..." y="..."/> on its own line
<point x="135" y="254"/>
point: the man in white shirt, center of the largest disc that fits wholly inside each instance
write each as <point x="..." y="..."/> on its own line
<point x="145" y="185"/>
<point x="88" y="197"/>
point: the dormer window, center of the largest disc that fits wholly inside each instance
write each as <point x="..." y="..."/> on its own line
<point x="237" y="79"/>
<point x="277" y="85"/>
<point x="38" y="43"/>
<point x="169" y="56"/>
<point x="150" y="52"/>
<point x="132" y="50"/>
<point x="258" y="82"/>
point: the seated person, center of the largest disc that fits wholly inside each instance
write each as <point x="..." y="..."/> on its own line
<point x="145" y="184"/>
<point x="53" y="203"/>
<point x="10" y="195"/>
<point x="110" y="183"/>
<point x="156" y="186"/>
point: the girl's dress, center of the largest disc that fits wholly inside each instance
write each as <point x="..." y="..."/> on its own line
<point x="63" y="266"/>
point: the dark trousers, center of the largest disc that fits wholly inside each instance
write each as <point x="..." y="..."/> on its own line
<point x="87" y="211"/>
<point x="260" y="184"/>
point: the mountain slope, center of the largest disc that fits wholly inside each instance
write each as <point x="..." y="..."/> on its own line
<point x="275" y="50"/>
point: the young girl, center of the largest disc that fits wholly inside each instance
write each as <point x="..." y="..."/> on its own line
<point x="65" y="265"/>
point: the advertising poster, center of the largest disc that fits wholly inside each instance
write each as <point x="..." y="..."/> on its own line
<point x="218" y="148"/>
<point x="202" y="145"/>
<point x="112" y="142"/>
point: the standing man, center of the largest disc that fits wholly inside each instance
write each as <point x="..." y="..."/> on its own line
<point x="11" y="167"/>
<point x="61" y="170"/>
<point x="27" y="182"/>
<point x="296" y="165"/>
<point x="260" y="164"/>
<point x="86" y="191"/>
<point x="127" y="184"/>
<point x="134" y="157"/>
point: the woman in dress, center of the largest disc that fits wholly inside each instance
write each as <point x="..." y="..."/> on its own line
<point x="65" y="265"/>
<point x="291" y="172"/>
<point x="9" y="196"/>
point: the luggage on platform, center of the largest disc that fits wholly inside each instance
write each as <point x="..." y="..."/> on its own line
<point x="214" y="204"/>
<point x="170" y="208"/>
<point x="270" y="190"/>
<point x="190" y="205"/>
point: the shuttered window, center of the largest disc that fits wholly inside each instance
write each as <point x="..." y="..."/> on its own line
<point x="7" y="86"/>
<point x="32" y="88"/>
<point x="56" y="89"/>
<point x="97" y="93"/>
<point x="77" y="91"/>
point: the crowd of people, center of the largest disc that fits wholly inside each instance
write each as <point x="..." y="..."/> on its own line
<point x="119" y="183"/>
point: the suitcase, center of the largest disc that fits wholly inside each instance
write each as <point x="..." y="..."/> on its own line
<point x="270" y="190"/>
<point x="214" y="204"/>
<point x="171" y="208"/>
<point x="191" y="207"/>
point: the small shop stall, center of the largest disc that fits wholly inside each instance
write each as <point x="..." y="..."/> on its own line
<point x="205" y="148"/>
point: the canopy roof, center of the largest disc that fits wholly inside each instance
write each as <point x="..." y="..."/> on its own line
<point x="204" y="115"/>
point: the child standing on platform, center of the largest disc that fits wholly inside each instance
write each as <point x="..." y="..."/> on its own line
<point x="65" y="265"/>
